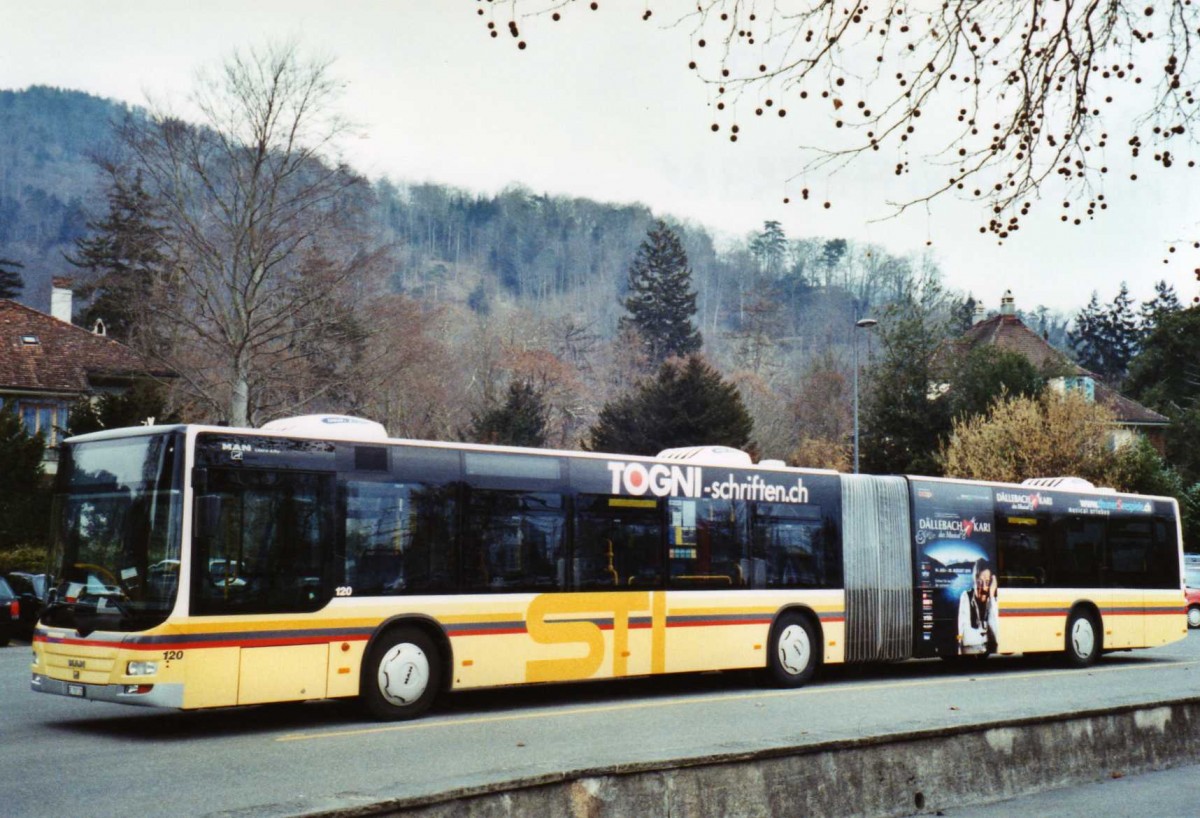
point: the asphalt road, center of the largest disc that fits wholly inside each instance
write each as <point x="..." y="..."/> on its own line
<point x="64" y="757"/>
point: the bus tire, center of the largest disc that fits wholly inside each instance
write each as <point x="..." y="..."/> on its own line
<point x="1194" y="617"/>
<point x="1084" y="639"/>
<point x="402" y="674"/>
<point x="793" y="652"/>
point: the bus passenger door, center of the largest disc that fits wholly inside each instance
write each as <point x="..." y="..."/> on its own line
<point x="1129" y="557"/>
<point x="266" y="549"/>
<point x="1080" y="569"/>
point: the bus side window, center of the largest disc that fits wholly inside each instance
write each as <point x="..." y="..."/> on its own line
<point x="514" y="541"/>
<point x="1130" y="545"/>
<point x="273" y="548"/>
<point x="1021" y="554"/>
<point x="398" y="538"/>
<point x="1143" y="552"/>
<point x="618" y="543"/>
<point x="789" y="549"/>
<point x="706" y="544"/>
<point x="1164" y="559"/>
<point x="1077" y="559"/>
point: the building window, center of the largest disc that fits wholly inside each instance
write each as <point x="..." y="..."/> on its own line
<point x="46" y="417"/>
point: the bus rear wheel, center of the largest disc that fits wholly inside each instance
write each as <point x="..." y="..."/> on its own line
<point x="1083" y="639"/>
<point x="401" y="675"/>
<point x="793" y="651"/>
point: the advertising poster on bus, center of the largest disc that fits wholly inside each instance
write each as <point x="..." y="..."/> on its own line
<point x="954" y="552"/>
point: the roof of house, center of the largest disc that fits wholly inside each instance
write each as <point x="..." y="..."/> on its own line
<point x="40" y="353"/>
<point x="1008" y="332"/>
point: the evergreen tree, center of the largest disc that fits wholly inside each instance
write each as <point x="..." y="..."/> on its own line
<point x="661" y="302"/>
<point x="11" y="282"/>
<point x="903" y="423"/>
<point x="687" y="404"/>
<point x="124" y="256"/>
<point x="985" y="374"/>
<point x="769" y="249"/>
<point x="1121" y="328"/>
<point x="145" y="401"/>
<point x="833" y="252"/>
<point x="24" y="504"/>
<point x="1106" y="339"/>
<point x="1166" y="377"/>
<point x="962" y="315"/>
<point x="1164" y="303"/>
<point x="521" y="421"/>
<point x="1087" y="340"/>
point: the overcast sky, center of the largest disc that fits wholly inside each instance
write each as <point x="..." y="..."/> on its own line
<point x="600" y="105"/>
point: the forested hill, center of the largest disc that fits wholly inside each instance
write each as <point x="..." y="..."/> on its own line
<point x="49" y="184"/>
<point x="453" y="246"/>
<point x="558" y="255"/>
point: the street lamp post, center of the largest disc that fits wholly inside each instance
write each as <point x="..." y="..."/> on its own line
<point x="863" y="323"/>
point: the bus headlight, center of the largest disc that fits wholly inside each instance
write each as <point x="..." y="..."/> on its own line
<point x="141" y="668"/>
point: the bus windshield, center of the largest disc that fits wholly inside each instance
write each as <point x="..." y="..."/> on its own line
<point x="114" y="561"/>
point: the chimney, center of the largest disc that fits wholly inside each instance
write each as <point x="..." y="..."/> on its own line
<point x="980" y="314"/>
<point x="1008" y="305"/>
<point x="60" y="299"/>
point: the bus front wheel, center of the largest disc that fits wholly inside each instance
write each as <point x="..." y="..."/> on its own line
<point x="402" y="675"/>
<point x="1083" y="639"/>
<point x="793" y="652"/>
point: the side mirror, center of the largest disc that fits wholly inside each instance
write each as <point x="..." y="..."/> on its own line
<point x="208" y="515"/>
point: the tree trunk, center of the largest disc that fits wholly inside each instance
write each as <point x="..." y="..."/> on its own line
<point x="239" y="402"/>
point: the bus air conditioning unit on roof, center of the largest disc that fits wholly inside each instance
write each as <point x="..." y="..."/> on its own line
<point x="330" y="427"/>
<point x="1059" y="483"/>
<point x="1065" y="483"/>
<point x="708" y="456"/>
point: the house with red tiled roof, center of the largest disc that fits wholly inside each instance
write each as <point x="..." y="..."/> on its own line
<point x="47" y="363"/>
<point x="1008" y="332"/>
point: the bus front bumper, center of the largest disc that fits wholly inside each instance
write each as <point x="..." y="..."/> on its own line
<point x="146" y="695"/>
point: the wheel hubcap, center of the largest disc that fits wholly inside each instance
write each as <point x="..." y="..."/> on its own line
<point x="1194" y="617"/>
<point x="1083" y="638"/>
<point x="794" y="649"/>
<point x="403" y="673"/>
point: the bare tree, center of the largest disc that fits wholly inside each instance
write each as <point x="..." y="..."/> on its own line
<point x="268" y="231"/>
<point x="999" y="97"/>
<point x="409" y="378"/>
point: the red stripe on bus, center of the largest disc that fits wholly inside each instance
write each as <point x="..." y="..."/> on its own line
<point x="484" y="631"/>
<point x="196" y="644"/>
<point x="207" y="641"/>
<point x="1103" y="611"/>
<point x="703" y="623"/>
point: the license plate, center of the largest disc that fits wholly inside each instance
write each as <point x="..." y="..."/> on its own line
<point x="75" y="690"/>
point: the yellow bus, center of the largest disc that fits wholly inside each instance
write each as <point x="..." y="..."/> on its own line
<point x="201" y="566"/>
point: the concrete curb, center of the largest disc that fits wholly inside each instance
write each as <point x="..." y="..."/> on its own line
<point x="887" y="775"/>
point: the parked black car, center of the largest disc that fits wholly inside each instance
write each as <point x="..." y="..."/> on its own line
<point x="31" y="591"/>
<point x="10" y="612"/>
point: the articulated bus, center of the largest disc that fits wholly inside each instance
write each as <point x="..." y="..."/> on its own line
<point x="314" y="558"/>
